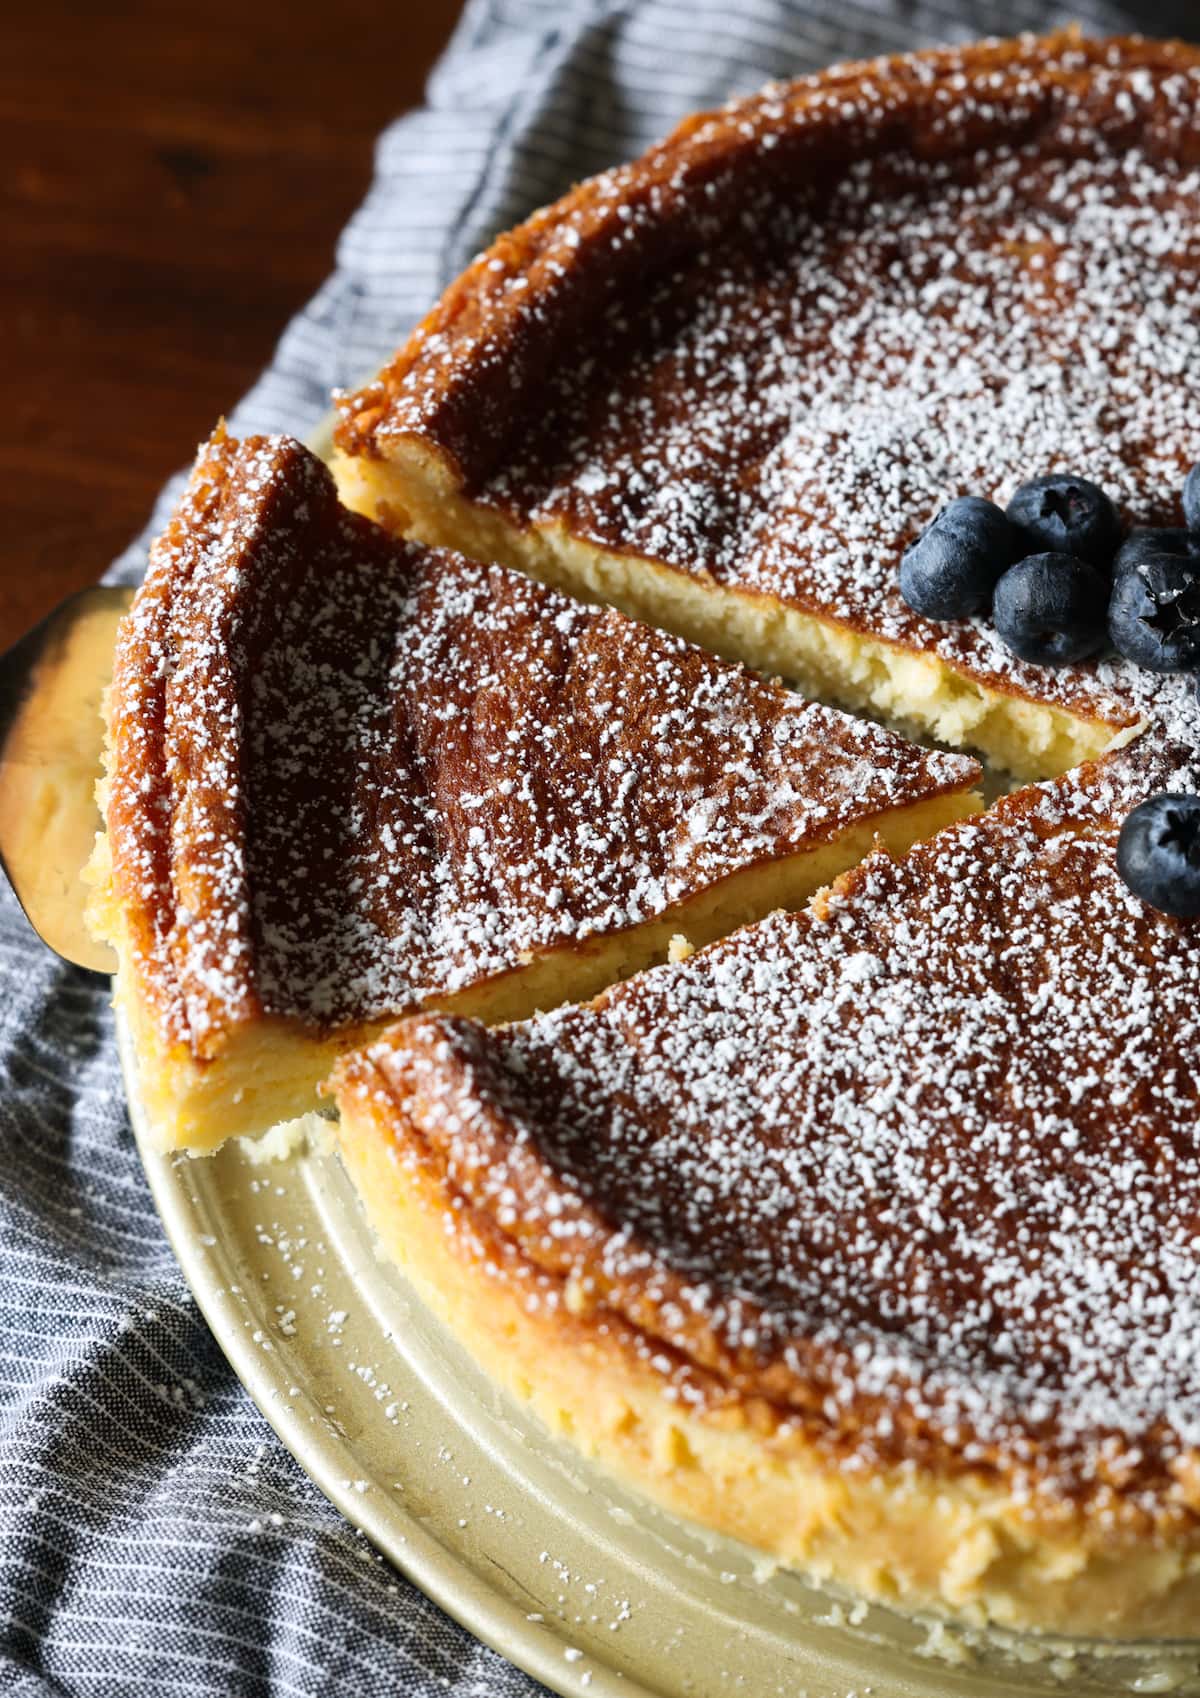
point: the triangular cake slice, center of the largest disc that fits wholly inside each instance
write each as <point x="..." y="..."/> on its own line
<point x="867" y="1235"/>
<point x="351" y="777"/>
<point x="724" y="386"/>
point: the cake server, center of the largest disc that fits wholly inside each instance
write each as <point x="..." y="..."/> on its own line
<point x="51" y="684"/>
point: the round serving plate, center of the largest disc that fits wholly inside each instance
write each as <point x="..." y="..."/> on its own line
<point x="531" y="1547"/>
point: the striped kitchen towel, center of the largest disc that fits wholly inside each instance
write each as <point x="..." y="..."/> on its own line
<point x="154" y="1536"/>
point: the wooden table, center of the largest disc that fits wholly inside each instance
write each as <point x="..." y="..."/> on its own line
<point x="172" y="191"/>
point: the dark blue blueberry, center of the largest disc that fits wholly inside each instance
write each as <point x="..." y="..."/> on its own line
<point x="1141" y="543"/>
<point x="1154" y="615"/>
<point x="951" y="569"/>
<point x="1191" y="499"/>
<point x="1065" y="515"/>
<point x="1158" y="853"/>
<point x="1050" y="608"/>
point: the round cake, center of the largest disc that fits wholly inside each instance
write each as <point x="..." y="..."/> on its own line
<point x="871" y="1234"/>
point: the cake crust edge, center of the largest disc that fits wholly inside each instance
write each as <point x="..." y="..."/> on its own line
<point x="962" y="1546"/>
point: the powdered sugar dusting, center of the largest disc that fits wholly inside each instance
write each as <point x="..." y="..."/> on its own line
<point x="921" y="1170"/>
<point x="813" y="318"/>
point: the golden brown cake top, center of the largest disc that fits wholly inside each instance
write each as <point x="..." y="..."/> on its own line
<point x="813" y="317"/>
<point x="350" y="774"/>
<point x="918" y="1173"/>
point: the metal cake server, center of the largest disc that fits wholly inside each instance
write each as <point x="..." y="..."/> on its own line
<point x="51" y="737"/>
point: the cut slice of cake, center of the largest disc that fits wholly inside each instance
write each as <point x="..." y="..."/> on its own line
<point x="724" y="386"/>
<point x="867" y="1235"/>
<point x="351" y="777"/>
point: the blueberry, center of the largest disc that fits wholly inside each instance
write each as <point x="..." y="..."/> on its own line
<point x="1191" y="499"/>
<point x="1158" y="853"/>
<point x="951" y="569"/>
<point x="1065" y="515"/>
<point x="1154" y="615"/>
<point x="1049" y="608"/>
<point x="1141" y="543"/>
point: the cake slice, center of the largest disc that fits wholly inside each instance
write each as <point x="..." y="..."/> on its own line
<point x="867" y="1235"/>
<point x="724" y="386"/>
<point x="350" y="777"/>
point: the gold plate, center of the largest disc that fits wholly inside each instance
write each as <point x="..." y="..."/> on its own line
<point x="530" y="1546"/>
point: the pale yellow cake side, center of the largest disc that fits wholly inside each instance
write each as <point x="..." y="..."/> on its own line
<point x="415" y="491"/>
<point x="952" y="1544"/>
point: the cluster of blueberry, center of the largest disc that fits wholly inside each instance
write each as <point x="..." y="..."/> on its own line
<point x="1061" y="584"/>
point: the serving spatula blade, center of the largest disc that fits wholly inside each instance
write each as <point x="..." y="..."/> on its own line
<point x="51" y="736"/>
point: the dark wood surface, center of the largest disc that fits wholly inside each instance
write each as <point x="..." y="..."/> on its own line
<point x="173" y="184"/>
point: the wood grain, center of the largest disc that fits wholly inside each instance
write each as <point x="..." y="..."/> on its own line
<point x="171" y="193"/>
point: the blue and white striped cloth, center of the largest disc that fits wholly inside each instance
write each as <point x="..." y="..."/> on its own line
<point x="154" y="1536"/>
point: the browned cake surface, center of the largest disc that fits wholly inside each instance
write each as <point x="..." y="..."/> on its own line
<point x="916" y="1172"/>
<point x="812" y="317"/>
<point x="351" y="774"/>
<point x="899" y="1195"/>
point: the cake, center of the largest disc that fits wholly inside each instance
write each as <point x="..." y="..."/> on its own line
<point x="723" y="386"/>
<point x="868" y="1234"/>
<point x="350" y="777"/>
